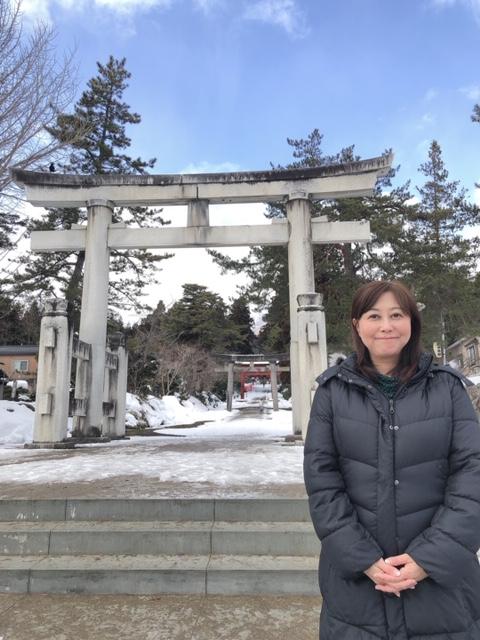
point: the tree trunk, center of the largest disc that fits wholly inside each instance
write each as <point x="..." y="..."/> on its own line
<point x="73" y="292"/>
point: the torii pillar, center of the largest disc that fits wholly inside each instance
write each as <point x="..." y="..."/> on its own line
<point x="300" y="280"/>
<point x="93" y="319"/>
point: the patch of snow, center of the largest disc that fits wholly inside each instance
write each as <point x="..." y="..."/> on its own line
<point x="16" y="423"/>
<point x="21" y="384"/>
<point x="236" y="450"/>
<point x="158" y="412"/>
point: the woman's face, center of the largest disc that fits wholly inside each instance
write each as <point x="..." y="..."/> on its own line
<point x="384" y="330"/>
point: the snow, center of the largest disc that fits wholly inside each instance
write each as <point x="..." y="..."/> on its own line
<point x="474" y="379"/>
<point x="237" y="452"/>
<point x="243" y="447"/>
<point x="16" y="419"/>
<point x="16" y="423"/>
<point x="157" y="412"/>
<point x="21" y="384"/>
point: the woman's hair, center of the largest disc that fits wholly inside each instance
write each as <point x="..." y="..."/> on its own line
<point x="364" y="299"/>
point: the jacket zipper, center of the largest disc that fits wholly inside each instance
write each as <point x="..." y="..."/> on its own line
<point x="392" y="406"/>
<point x="393" y="427"/>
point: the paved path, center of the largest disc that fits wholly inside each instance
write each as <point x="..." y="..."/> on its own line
<point x="142" y="485"/>
<point x="76" y="617"/>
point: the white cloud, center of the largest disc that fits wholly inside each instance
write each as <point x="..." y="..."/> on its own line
<point x="430" y="95"/>
<point x="472" y="5"/>
<point x="282" y="13"/>
<point x="425" y="121"/>
<point x="36" y="9"/>
<point x="210" y="167"/>
<point x="131" y="6"/>
<point x="472" y="92"/>
<point x="207" y="5"/>
<point x="42" y="9"/>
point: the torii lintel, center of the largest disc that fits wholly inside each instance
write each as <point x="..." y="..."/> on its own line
<point x="350" y="179"/>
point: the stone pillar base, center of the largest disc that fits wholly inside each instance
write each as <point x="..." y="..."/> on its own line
<point x="49" y="445"/>
<point x="71" y="443"/>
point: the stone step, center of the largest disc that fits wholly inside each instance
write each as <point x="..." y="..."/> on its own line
<point x="155" y="509"/>
<point x="172" y="538"/>
<point x="155" y="574"/>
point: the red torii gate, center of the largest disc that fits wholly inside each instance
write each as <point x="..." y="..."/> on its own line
<point x="252" y="373"/>
<point x="249" y="365"/>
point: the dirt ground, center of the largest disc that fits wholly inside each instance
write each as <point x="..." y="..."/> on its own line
<point x="79" y="617"/>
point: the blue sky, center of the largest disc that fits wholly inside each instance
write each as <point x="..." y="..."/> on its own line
<point x="221" y="84"/>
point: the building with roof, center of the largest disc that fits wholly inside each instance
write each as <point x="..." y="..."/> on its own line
<point x="19" y="362"/>
<point x="464" y="355"/>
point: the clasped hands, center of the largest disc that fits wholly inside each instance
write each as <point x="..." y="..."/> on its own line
<point x="395" y="574"/>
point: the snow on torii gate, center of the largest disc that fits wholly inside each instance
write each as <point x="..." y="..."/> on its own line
<point x="296" y="188"/>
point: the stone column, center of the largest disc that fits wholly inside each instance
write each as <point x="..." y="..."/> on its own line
<point x="274" y="385"/>
<point x="198" y="213"/>
<point x="300" y="279"/>
<point x="121" y="408"/>
<point x="93" y="319"/>
<point x="312" y="350"/>
<point x="230" y="386"/>
<point x="117" y="383"/>
<point x="53" y="376"/>
<point x="109" y="392"/>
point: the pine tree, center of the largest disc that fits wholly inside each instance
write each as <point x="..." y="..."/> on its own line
<point x="339" y="268"/>
<point x="142" y="343"/>
<point x="199" y="318"/>
<point x="241" y="323"/>
<point x="438" y="260"/>
<point x="103" y="116"/>
<point x="19" y="324"/>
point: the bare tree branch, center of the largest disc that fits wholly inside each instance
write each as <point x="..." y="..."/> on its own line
<point x="34" y="87"/>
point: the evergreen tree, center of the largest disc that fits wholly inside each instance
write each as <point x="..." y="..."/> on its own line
<point x="437" y="259"/>
<point x="19" y="324"/>
<point x="476" y="118"/>
<point x="241" y="323"/>
<point x="199" y="318"/>
<point x="143" y="359"/>
<point x="103" y="116"/>
<point x="339" y="268"/>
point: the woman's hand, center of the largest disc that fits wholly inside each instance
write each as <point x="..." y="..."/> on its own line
<point x="409" y="569"/>
<point x="388" y="578"/>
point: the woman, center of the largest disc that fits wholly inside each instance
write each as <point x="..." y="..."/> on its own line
<point x="392" y="470"/>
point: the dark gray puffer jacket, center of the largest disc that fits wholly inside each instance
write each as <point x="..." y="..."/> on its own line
<point x="386" y="477"/>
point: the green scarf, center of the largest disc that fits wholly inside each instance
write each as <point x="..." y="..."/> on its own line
<point x="388" y="385"/>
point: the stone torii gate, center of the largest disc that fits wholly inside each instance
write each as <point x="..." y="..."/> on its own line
<point x="296" y="188"/>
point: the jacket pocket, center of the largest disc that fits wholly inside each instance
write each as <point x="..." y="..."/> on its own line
<point x="356" y="601"/>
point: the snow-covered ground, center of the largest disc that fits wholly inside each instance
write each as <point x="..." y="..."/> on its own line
<point x="243" y="447"/>
<point x="16" y="419"/>
<point x="16" y="423"/>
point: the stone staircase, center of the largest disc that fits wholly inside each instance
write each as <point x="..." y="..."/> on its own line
<point x="148" y="546"/>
